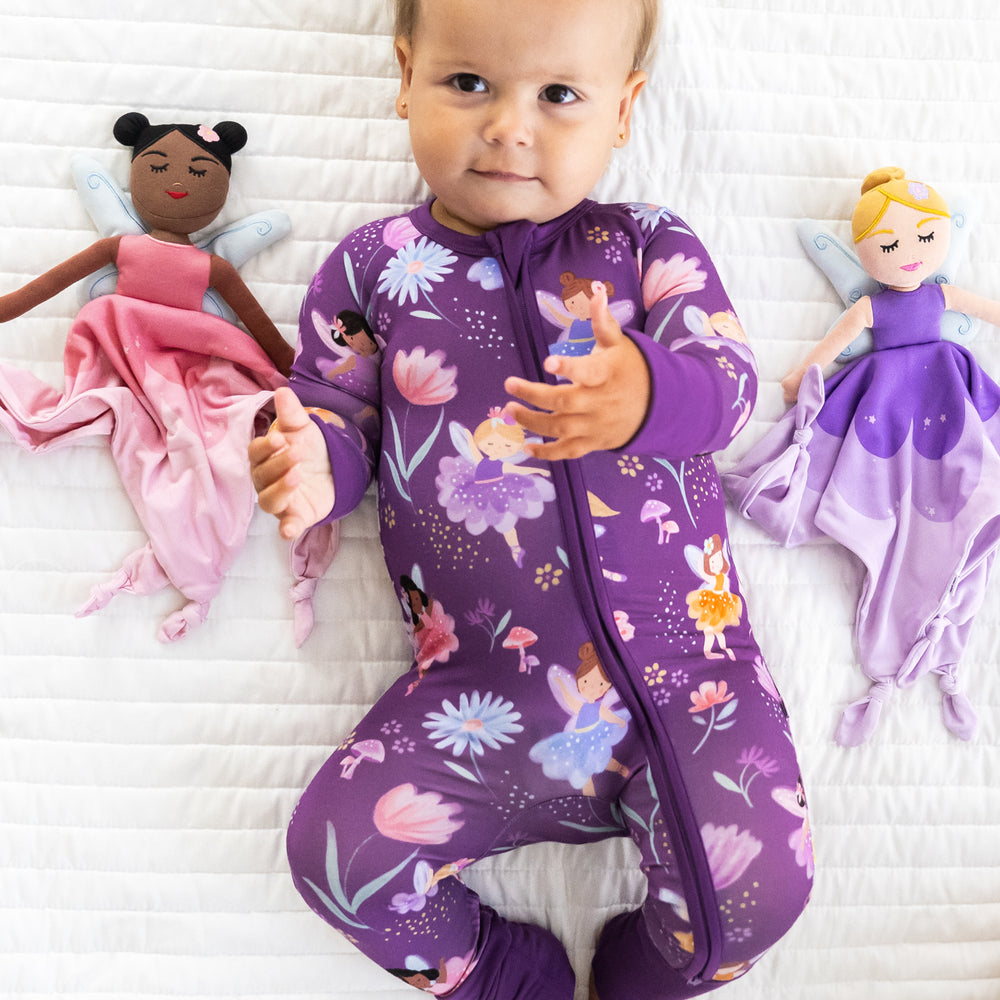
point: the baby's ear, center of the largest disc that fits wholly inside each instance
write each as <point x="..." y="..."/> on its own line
<point x="233" y="134"/>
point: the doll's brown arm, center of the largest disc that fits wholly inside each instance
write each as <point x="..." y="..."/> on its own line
<point x="58" y="278"/>
<point x="227" y="282"/>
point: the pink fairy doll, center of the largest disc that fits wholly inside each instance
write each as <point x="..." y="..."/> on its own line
<point x="178" y="391"/>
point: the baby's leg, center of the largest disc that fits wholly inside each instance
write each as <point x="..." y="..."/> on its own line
<point x="393" y="817"/>
<point x="739" y="778"/>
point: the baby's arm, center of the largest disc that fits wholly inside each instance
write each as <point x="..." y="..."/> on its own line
<point x="290" y="467"/>
<point x="603" y="405"/>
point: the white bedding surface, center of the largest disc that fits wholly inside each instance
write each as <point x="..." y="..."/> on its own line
<point x="145" y="789"/>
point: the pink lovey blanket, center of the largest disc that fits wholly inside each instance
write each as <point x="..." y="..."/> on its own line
<point x="179" y="393"/>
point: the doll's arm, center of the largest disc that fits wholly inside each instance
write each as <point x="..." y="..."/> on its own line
<point x="227" y="282"/>
<point x="959" y="300"/>
<point x="839" y="336"/>
<point x="60" y="277"/>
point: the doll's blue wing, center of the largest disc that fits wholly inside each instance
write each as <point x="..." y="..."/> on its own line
<point x="245" y="238"/>
<point x="843" y="269"/>
<point x="111" y="211"/>
<point x="956" y="326"/>
<point x="109" y="208"/>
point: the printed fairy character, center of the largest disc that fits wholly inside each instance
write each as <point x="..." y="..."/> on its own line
<point x="713" y="605"/>
<point x="355" y="348"/>
<point x="486" y="486"/>
<point x="584" y="748"/>
<point x="570" y="311"/>
<point x="800" y="840"/>
<point x="423" y="979"/>
<point x="433" y="631"/>
<point x="447" y="977"/>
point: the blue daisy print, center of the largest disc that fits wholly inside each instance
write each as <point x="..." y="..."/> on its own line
<point x="478" y="722"/>
<point x="414" y="268"/>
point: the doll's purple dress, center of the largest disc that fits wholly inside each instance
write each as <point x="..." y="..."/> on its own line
<point x="897" y="457"/>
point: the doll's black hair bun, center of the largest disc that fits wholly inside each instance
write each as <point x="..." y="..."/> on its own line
<point x="232" y="134"/>
<point x="130" y="126"/>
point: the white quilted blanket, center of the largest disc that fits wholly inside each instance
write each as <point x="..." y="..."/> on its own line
<point x="145" y="789"/>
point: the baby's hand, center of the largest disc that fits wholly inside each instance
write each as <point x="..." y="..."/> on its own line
<point x="290" y="468"/>
<point x="603" y="405"/>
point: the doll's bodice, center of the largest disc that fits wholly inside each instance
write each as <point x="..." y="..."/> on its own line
<point x="904" y="318"/>
<point x="171" y="274"/>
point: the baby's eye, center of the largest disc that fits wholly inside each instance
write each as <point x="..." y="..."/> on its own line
<point x="197" y="173"/>
<point x="159" y="169"/>
<point x="558" y="93"/>
<point x="890" y="247"/>
<point x="468" y="83"/>
<point x="926" y="239"/>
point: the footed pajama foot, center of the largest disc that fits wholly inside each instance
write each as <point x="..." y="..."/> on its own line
<point x="177" y="625"/>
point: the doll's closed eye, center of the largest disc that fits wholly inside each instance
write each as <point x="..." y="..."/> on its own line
<point x="158" y="169"/>
<point x="197" y="173"/>
<point x="926" y="239"/>
<point x="888" y="248"/>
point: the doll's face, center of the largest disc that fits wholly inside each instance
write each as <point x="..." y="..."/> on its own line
<point x="907" y="247"/>
<point x="176" y="186"/>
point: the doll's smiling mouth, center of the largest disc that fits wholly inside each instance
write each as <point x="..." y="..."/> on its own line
<point x="911" y="267"/>
<point x="178" y="194"/>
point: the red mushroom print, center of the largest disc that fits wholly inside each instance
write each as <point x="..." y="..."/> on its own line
<point x="372" y="750"/>
<point x="656" y="510"/>
<point x="520" y="638"/>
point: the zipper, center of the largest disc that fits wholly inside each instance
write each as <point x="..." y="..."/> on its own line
<point x="511" y="245"/>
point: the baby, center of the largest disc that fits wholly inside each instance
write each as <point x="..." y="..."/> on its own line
<point x="549" y="538"/>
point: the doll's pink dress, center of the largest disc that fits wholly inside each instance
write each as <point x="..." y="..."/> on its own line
<point x="179" y="393"/>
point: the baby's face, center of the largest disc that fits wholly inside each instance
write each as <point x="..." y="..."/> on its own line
<point x="514" y="109"/>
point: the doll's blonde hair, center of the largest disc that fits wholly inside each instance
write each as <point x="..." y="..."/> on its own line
<point x="886" y="185"/>
<point x="407" y="12"/>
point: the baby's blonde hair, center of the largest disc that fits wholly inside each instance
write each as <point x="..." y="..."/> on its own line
<point x="406" y="12"/>
<point x="886" y="185"/>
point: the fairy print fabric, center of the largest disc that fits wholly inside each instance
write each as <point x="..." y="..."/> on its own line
<point x="583" y="663"/>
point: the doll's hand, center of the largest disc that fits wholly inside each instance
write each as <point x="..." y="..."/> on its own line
<point x="790" y="385"/>
<point x="601" y="407"/>
<point x="290" y="468"/>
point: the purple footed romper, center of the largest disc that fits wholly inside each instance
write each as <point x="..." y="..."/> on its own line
<point x="897" y="457"/>
<point x="583" y="663"/>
